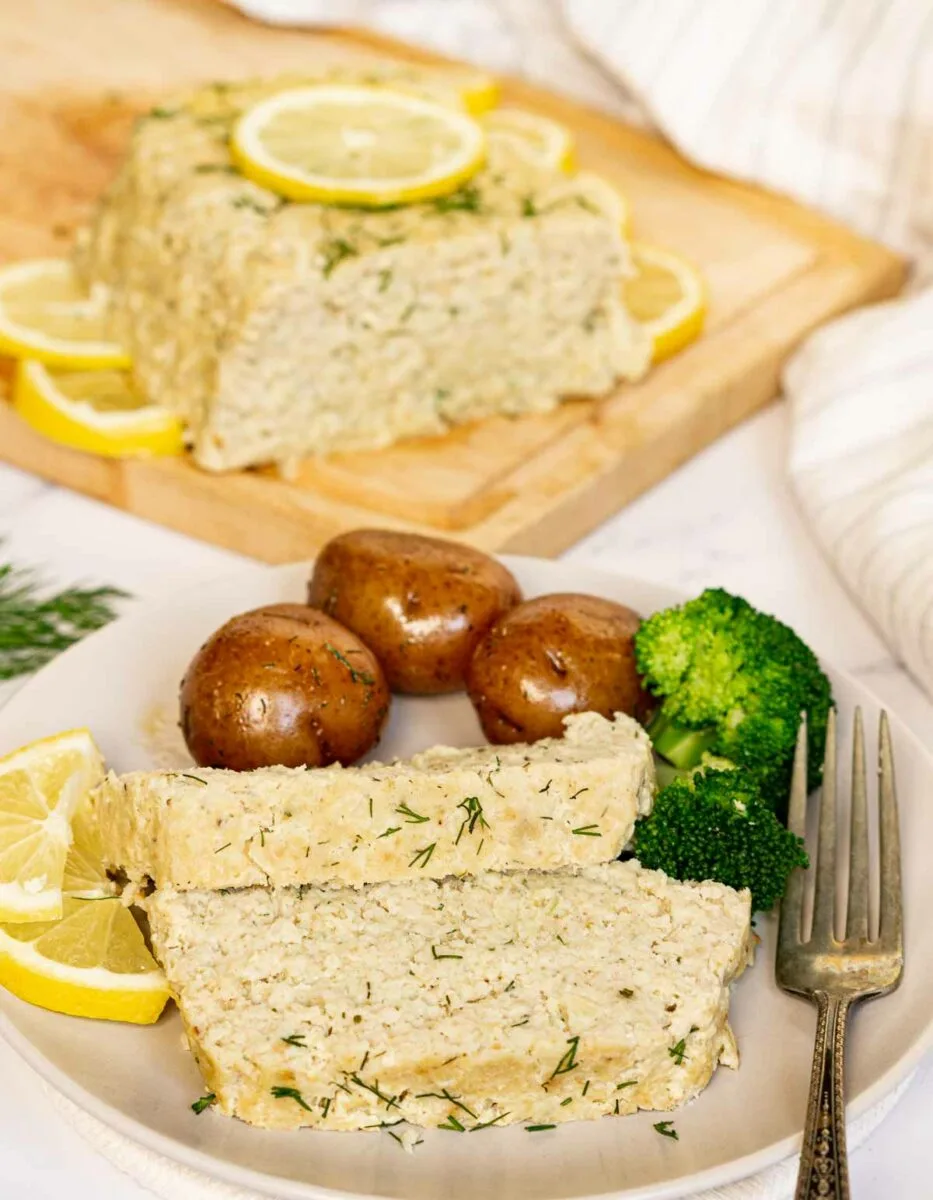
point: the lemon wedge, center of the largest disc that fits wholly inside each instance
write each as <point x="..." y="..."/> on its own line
<point x="668" y="297"/>
<point x="534" y="137"/>
<point x="97" y="411"/>
<point x="41" y="786"/>
<point x="85" y="877"/>
<point x="357" y="145"/>
<point x="91" y="963"/>
<point x="46" y="314"/>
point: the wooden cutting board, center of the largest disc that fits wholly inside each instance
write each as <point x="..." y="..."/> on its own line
<point x="73" y="76"/>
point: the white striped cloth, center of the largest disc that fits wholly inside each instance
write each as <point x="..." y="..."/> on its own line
<point x="830" y="101"/>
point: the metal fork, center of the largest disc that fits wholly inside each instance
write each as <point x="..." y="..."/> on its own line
<point x="837" y="974"/>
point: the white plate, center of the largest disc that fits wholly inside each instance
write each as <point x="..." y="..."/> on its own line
<point x="141" y="1081"/>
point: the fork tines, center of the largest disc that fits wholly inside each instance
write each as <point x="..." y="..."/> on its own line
<point x="824" y="924"/>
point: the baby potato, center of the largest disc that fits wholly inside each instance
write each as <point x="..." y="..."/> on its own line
<point x="554" y="655"/>
<point x="283" y="684"/>
<point x="421" y="604"/>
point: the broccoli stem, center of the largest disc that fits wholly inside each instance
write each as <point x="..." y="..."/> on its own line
<point x="682" y="747"/>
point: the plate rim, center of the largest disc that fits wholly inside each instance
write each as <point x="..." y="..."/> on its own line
<point x="212" y="1167"/>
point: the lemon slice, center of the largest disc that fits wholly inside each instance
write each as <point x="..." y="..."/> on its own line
<point x="91" y="963"/>
<point x="41" y="786"/>
<point x="595" y="193"/>
<point x="97" y="411"/>
<point x="357" y="145"/>
<point x="478" y="93"/>
<point x="46" y="314"/>
<point x="85" y="877"/>
<point x="536" y="138"/>
<point x="668" y="297"/>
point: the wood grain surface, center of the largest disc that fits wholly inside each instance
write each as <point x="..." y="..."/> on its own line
<point x="72" y="78"/>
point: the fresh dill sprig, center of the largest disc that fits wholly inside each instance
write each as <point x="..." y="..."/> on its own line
<point x="666" y="1129"/>
<point x="295" y="1039"/>
<point x="493" y="1121"/>
<point x="453" y="1124"/>
<point x="538" y="1128"/>
<point x="440" y="956"/>
<point x="203" y="1102"/>
<point x="587" y="831"/>
<point x="34" y="629"/>
<point x="678" y="1052"/>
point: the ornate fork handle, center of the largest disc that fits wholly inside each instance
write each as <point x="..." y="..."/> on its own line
<point x="824" y="1164"/>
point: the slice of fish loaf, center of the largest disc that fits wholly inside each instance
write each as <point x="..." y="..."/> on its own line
<point x="559" y="802"/>
<point x="519" y="997"/>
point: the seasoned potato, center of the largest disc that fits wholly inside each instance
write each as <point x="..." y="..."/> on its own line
<point x="282" y="684"/>
<point x="421" y="604"/>
<point x="552" y="656"/>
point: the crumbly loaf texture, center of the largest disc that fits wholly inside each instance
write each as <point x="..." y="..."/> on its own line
<point x="277" y="329"/>
<point x="559" y="802"/>
<point x="517" y="997"/>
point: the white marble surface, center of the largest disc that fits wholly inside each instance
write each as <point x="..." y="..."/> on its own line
<point x="726" y="518"/>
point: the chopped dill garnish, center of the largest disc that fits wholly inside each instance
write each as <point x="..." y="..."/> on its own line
<point x="385" y="278"/>
<point x="194" y="778"/>
<point x="355" y="675"/>
<point x="564" y="1103"/>
<point x="364" y="1062"/>
<point x="370" y="807"/>
<point x="627" y="1084"/>
<point x="579" y="792"/>
<point x="225" y="846"/>
<point x="453" y="1124"/>
<point x="474" y="816"/>
<point x="626" y="993"/>
<point x="538" y="1128"/>
<point x="486" y="1124"/>
<point x="587" y="831"/>
<point x="586" y="1088"/>
<point x="666" y="1129"/>
<point x="678" y="1052"/>
<point x="444" y="1094"/>
<point x="569" y="1059"/>
<point x="509" y="986"/>
<point x="411" y="817"/>
<point x="423" y="856"/>
<point x="325" y="1106"/>
<point x="387" y="832"/>
<point x="295" y="1039"/>
<point x="546" y="788"/>
<point x="465" y="199"/>
<point x="517" y="1023"/>
<point x="215" y="168"/>
<point x="388" y="1101"/>
<point x="335" y="251"/>
<point x="163" y="114"/>
<point x="251" y="203"/>
<point x="203" y="1102"/>
<point x="529" y="208"/>
<point x="435" y="954"/>
<point x="290" y="1093"/>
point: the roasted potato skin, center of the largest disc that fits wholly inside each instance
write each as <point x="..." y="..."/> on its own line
<point x="283" y="684"/>
<point x="421" y="604"/>
<point x="554" y="655"/>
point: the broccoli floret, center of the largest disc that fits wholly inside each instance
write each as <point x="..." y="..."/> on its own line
<point x="733" y="681"/>
<point x="716" y="825"/>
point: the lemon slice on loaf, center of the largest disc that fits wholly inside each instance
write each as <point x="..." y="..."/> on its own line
<point x="364" y="146"/>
